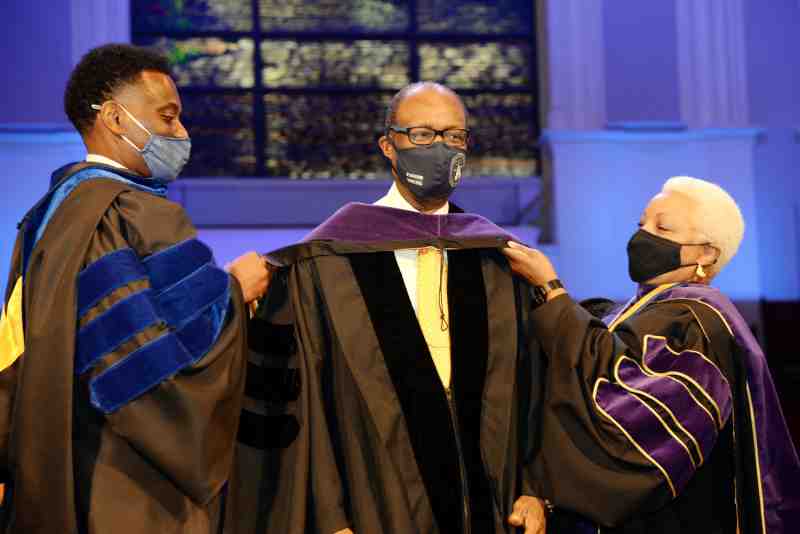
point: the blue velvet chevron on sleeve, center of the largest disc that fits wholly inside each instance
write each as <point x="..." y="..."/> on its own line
<point x="188" y="293"/>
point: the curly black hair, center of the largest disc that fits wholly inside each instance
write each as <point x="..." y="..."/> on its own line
<point x="101" y="72"/>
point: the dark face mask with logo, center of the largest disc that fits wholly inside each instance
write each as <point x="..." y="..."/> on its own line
<point x="650" y="255"/>
<point x="430" y="172"/>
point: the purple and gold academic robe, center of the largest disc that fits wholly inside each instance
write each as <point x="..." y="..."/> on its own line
<point x="123" y="356"/>
<point x="346" y="421"/>
<point x="662" y="417"/>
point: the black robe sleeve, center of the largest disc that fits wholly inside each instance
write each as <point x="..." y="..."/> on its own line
<point x="628" y="416"/>
<point x="182" y="412"/>
<point x="298" y="488"/>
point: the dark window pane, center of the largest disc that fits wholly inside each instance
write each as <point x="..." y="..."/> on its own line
<point x="476" y="66"/>
<point x="325" y="136"/>
<point x="332" y="63"/>
<point x="503" y="139"/>
<point x="207" y="61"/>
<point x="221" y="128"/>
<point x="476" y="16"/>
<point x="333" y="15"/>
<point x="191" y="15"/>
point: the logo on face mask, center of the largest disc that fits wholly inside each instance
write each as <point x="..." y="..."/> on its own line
<point x="456" y="167"/>
<point x="430" y="172"/>
<point x="415" y="179"/>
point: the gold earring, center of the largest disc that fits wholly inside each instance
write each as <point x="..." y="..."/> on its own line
<point x="699" y="272"/>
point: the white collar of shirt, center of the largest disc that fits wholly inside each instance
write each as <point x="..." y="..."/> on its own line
<point x="97" y="158"/>
<point x="393" y="199"/>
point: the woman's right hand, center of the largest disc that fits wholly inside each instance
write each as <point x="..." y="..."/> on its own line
<point x="529" y="263"/>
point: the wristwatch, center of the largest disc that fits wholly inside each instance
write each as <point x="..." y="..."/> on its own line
<point x="539" y="293"/>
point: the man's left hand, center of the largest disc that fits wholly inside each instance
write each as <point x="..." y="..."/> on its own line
<point x="253" y="273"/>
<point x="529" y="512"/>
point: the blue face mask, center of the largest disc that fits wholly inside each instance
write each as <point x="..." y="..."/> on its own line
<point x="164" y="156"/>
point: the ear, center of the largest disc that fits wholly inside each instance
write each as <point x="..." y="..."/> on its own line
<point x="386" y="146"/>
<point x="110" y="116"/>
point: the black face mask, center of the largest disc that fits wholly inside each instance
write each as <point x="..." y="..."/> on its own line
<point x="650" y="255"/>
<point x="430" y="172"/>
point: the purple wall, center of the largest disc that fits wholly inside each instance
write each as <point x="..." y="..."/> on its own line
<point x="773" y="80"/>
<point x="35" y="43"/>
<point x="641" y="61"/>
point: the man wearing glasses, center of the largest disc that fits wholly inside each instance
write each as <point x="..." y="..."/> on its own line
<point x="411" y="397"/>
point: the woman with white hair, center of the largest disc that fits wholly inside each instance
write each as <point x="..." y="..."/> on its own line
<point x="661" y="415"/>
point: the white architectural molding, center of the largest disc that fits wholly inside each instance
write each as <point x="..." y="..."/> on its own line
<point x="575" y="64"/>
<point x="97" y="22"/>
<point x="711" y="63"/>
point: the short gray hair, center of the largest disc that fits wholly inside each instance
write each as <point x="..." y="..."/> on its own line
<point x="719" y="218"/>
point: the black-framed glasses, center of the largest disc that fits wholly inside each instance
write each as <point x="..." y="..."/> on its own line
<point x="422" y="135"/>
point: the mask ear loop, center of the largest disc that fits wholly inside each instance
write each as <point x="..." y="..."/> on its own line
<point x="98" y="107"/>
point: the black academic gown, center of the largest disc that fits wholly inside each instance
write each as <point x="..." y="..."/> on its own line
<point x="348" y="423"/>
<point x="120" y="415"/>
<point x="662" y="418"/>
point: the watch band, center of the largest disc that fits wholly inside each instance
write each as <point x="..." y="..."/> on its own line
<point x="539" y="293"/>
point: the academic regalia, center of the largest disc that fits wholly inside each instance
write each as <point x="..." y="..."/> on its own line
<point x="662" y="417"/>
<point x="346" y="422"/>
<point x="120" y="401"/>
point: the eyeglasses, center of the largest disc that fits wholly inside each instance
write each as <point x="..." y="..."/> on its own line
<point x="422" y="135"/>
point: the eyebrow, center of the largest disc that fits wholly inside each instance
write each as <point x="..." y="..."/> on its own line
<point x="449" y="127"/>
<point x="172" y="106"/>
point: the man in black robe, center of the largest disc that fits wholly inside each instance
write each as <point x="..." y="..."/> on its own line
<point x="122" y="345"/>
<point x="392" y="386"/>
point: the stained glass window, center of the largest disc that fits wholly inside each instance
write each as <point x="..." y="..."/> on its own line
<point x="223" y="140"/>
<point x="334" y="15"/>
<point x="298" y="88"/>
<point x="476" y="16"/>
<point x="325" y="136"/>
<point x="361" y="63"/>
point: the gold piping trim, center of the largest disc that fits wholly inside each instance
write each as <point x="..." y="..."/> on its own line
<point x="630" y="438"/>
<point x="664" y="407"/>
<point x="622" y="310"/>
<point x="708" y="397"/>
<point x="703" y="356"/>
<point x="758" y="461"/>
<point x="712" y="308"/>
<point x="699" y="322"/>
<point x="689" y="391"/>
<point x="623" y="316"/>
<point x="733" y="414"/>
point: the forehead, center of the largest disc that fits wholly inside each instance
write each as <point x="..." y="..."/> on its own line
<point x="433" y="107"/>
<point x="153" y="89"/>
<point x="670" y="203"/>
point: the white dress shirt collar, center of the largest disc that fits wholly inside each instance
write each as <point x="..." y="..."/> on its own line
<point x="393" y="199"/>
<point x="97" y="158"/>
